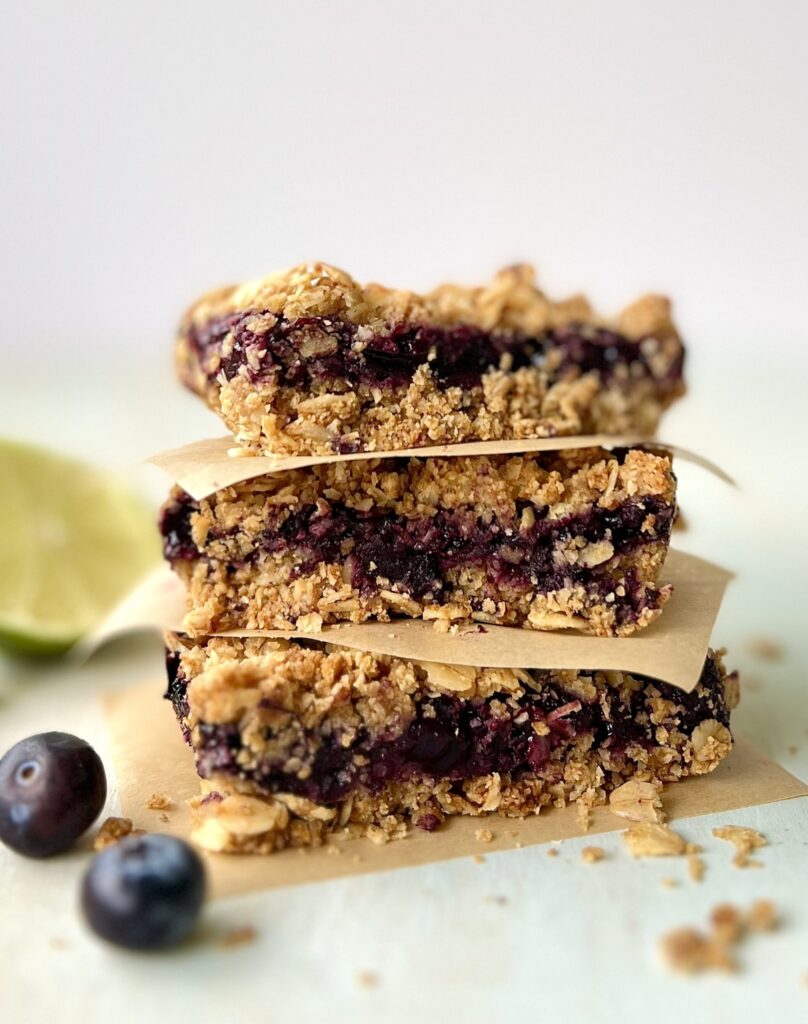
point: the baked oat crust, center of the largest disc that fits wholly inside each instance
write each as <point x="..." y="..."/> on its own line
<point x="241" y="573"/>
<point x="274" y="692"/>
<point x="547" y="398"/>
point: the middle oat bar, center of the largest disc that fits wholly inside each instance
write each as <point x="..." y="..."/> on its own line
<point x="566" y="539"/>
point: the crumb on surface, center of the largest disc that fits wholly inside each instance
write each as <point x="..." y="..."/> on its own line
<point x="592" y="854"/>
<point x="669" y="883"/>
<point x="484" y="835"/>
<point x="240" y="936"/>
<point x="766" y="648"/>
<point x="367" y="979"/>
<point x="112" y="831"/>
<point x="158" y="802"/>
<point x="695" y="867"/>
<point x="762" y="916"/>
<point x="744" y="840"/>
<point x="650" y="839"/>
<point x="727" y="923"/>
<point x="478" y="858"/>
<point x="552" y="852"/>
<point x="689" y="950"/>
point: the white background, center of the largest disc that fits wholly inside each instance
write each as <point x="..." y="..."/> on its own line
<point x="149" y="151"/>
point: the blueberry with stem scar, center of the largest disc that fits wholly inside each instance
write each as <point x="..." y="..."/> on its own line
<point x="52" y="788"/>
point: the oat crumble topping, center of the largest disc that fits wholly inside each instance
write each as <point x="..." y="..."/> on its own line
<point x="309" y="361"/>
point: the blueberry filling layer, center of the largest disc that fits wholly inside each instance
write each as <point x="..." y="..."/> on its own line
<point x="380" y="549"/>
<point x="306" y="351"/>
<point x="454" y="739"/>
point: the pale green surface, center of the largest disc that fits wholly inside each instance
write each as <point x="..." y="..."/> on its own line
<point x="72" y="541"/>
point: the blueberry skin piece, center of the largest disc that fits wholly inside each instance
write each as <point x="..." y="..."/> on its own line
<point x="52" y="788"/>
<point x="145" y="892"/>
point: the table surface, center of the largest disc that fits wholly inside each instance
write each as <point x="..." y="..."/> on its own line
<point x="518" y="932"/>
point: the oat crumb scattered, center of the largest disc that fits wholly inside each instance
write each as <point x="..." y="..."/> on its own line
<point x="762" y="916"/>
<point x="158" y="802"/>
<point x="367" y="979"/>
<point x="484" y="835"/>
<point x="669" y="883"/>
<point x="57" y="942"/>
<point x="478" y="858"/>
<point x="744" y="840"/>
<point x="689" y="950"/>
<point x="650" y="839"/>
<point x="592" y="854"/>
<point x="238" y="937"/>
<point x="743" y="860"/>
<point x="695" y="867"/>
<point x="727" y="923"/>
<point x="766" y="648"/>
<point x="552" y="852"/>
<point x="112" y="830"/>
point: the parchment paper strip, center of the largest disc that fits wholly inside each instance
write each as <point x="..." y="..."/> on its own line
<point x="204" y="467"/>
<point x="150" y="757"/>
<point x="671" y="649"/>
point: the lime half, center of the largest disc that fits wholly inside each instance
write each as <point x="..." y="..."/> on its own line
<point x="73" y="540"/>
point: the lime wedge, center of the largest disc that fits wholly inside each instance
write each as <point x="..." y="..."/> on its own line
<point x="73" y="540"/>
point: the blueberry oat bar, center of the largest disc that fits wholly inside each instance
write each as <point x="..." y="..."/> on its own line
<point x="309" y="362"/>
<point x="296" y="740"/>
<point x="569" y="539"/>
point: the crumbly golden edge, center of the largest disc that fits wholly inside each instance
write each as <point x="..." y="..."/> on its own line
<point x="267" y="417"/>
<point x="272" y="595"/>
<point x="226" y="592"/>
<point x="487" y="486"/>
<point x="511" y="302"/>
<point x="229" y="677"/>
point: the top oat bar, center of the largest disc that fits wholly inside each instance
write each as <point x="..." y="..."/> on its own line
<point x="308" y="362"/>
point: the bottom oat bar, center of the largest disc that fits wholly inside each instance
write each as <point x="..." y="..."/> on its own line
<point x="295" y="740"/>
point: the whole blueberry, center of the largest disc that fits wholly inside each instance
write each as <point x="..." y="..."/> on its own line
<point x="145" y="892"/>
<point x="52" y="788"/>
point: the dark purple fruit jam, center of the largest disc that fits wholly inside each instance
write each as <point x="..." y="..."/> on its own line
<point x="457" y="356"/>
<point x="415" y="555"/>
<point x="457" y="739"/>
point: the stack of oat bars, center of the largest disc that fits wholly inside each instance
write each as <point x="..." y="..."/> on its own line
<point x="447" y="472"/>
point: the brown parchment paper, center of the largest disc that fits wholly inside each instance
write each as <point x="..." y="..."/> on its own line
<point x="151" y="757"/>
<point x="204" y="467"/>
<point x="672" y="648"/>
